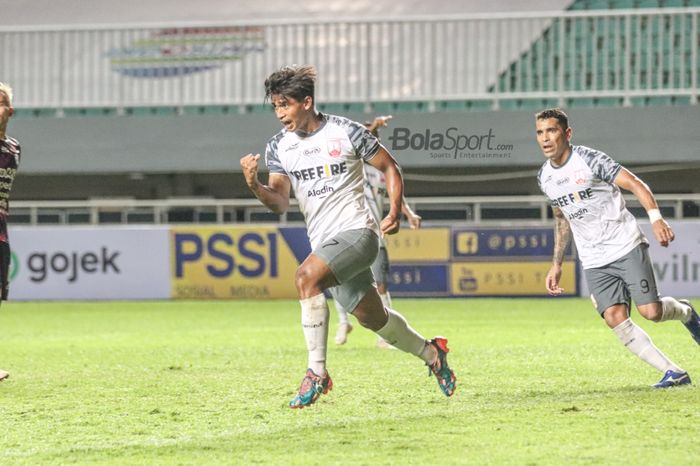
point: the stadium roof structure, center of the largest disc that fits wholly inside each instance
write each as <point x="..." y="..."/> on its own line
<point x="65" y="12"/>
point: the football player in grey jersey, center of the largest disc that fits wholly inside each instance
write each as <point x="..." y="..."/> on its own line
<point x="583" y="187"/>
<point x="321" y="157"/>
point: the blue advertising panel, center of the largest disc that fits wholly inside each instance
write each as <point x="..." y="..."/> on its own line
<point x="500" y="243"/>
<point x="419" y="280"/>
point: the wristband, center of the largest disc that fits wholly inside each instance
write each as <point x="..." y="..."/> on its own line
<point x="654" y="215"/>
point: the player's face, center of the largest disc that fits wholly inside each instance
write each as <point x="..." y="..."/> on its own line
<point x="553" y="139"/>
<point x="6" y="111"/>
<point x="293" y="114"/>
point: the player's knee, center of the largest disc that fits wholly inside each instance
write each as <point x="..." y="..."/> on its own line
<point x="615" y="315"/>
<point x="370" y="313"/>
<point x="304" y="278"/>
<point x="369" y="320"/>
<point x="651" y="311"/>
<point x="381" y="287"/>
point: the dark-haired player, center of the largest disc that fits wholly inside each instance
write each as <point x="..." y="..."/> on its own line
<point x="321" y="157"/>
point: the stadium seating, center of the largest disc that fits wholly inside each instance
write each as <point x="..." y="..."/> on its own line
<point x="659" y="60"/>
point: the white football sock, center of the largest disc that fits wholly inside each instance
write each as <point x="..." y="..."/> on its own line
<point x="386" y="301"/>
<point x="638" y="342"/>
<point x="672" y="309"/>
<point x="314" y="320"/>
<point x="398" y="333"/>
<point x="342" y="315"/>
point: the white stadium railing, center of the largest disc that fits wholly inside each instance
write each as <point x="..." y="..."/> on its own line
<point x="620" y="54"/>
<point x="476" y="210"/>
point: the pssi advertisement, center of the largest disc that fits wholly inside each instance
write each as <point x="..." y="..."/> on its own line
<point x="259" y="262"/>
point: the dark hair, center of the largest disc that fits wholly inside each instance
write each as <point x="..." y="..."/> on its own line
<point x="294" y="81"/>
<point x="557" y="113"/>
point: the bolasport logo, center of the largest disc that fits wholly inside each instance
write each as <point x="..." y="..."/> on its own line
<point x="41" y="265"/>
<point x="451" y="144"/>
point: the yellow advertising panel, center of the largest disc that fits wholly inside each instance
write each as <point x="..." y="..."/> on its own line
<point x="232" y="262"/>
<point x="508" y="278"/>
<point x="427" y="244"/>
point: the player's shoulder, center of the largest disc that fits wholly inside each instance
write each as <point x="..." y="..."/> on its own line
<point x="546" y="166"/>
<point x="588" y="154"/>
<point x="342" y="122"/>
<point x="10" y="141"/>
<point x="277" y="137"/>
<point x="9" y="147"/>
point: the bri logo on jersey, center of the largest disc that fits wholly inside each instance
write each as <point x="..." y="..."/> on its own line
<point x="320" y="171"/>
<point x="572" y="198"/>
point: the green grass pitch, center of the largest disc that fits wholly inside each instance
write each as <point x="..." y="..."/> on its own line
<point x="540" y="382"/>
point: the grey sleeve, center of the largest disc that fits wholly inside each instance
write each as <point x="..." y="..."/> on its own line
<point x="272" y="159"/>
<point x="539" y="180"/>
<point x="366" y="145"/>
<point x="601" y="164"/>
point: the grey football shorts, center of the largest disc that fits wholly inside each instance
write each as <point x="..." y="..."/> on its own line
<point x="380" y="266"/>
<point x="349" y="255"/>
<point x="631" y="277"/>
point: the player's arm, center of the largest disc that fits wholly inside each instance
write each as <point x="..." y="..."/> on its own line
<point x="379" y="122"/>
<point x="275" y="194"/>
<point x="414" y="220"/>
<point x="384" y="162"/>
<point x="562" y="238"/>
<point x="629" y="182"/>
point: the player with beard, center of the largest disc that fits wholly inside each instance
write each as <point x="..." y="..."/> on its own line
<point x="583" y="187"/>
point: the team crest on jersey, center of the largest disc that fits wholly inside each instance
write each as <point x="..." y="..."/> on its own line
<point x="580" y="177"/>
<point x="334" y="147"/>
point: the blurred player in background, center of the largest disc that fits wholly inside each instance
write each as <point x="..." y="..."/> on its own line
<point x="321" y="157"/>
<point x="9" y="161"/>
<point x="375" y="194"/>
<point x="583" y="186"/>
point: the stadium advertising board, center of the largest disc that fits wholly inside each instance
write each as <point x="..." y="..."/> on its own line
<point x="89" y="263"/>
<point x="506" y="262"/>
<point x="508" y="278"/>
<point x="259" y="262"/>
<point x="419" y="262"/>
<point x="236" y="262"/>
<point x="677" y="267"/>
<point x="475" y="262"/>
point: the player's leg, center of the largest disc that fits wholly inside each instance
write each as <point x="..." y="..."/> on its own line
<point x="612" y="300"/>
<point x="357" y="292"/>
<point x="325" y="267"/>
<point x="344" y="326"/>
<point x="380" y="270"/>
<point x="393" y="327"/>
<point x="4" y="283"/>
<point x="640" y="279"/>
<point x="312" y="277"/>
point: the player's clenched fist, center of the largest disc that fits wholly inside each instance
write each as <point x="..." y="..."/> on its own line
<point x="249" y="163"/>
<point x="390" y="225"/>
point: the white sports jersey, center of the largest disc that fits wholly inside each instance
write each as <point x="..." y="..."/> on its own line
<point x="584" y="189"/>
<point x="325" y="170"/>
<point x="375" y="193"/>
